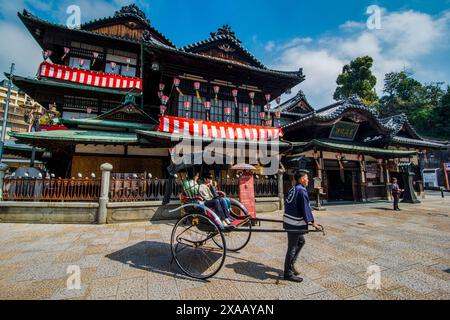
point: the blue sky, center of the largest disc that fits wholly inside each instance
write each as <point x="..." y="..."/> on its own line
<point x="320" y="36"/>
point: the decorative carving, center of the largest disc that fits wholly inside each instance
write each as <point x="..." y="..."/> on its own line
<point x="147" y="36"/>
<point x="225" y="30"/>
<point x="226" y="47"/>
<point x="132" y="9"/>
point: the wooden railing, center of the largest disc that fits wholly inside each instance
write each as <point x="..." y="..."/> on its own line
<point x="51" y="189"/>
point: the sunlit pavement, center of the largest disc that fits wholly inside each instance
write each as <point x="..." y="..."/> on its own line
<point x="411" y="248"/>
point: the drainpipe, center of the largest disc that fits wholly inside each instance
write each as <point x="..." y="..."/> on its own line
<point x="106" y="169"/>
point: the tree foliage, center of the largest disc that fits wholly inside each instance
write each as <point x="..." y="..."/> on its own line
<point x="424" y="104"/>
<point x="357" y="79"/>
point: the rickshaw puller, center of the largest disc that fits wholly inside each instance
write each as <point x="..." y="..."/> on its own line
<point x="297" y="216"/>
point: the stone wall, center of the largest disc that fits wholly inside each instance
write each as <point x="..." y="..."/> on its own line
<point x="87" y="212"/>
<point x="48" y="212"/>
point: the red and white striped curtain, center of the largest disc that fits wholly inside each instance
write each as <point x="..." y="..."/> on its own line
<point x="220" y="130"/>
<point x="87" y="77"/>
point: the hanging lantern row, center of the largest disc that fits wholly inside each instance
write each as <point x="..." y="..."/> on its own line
<point x="216" y="90"/>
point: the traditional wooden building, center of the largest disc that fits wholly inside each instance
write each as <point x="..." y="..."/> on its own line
<point x="354" y="152"/>
<point x="123" y="88"/>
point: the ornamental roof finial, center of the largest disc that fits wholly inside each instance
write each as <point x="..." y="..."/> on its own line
<point x="225" y="30"/>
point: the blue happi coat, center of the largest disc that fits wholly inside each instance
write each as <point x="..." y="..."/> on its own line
<point x="297" y="212"/>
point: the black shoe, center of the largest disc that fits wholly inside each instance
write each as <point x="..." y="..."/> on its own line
<point x="293" y="278"/>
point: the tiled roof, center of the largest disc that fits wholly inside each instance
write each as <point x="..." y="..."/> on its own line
<point x="293" y="101"/>
<point x="128" y="11"/>
<point x="224" y="33"/>
<point x="151" y="41"/>
<point x="336" y="110"/>
<point x="356" y="148"/>
<point x="416" y="142"/>
<point x="78" y="136"/>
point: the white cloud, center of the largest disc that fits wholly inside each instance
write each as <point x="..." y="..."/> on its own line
<point x="269" y="46"/>
<point x="18" y="46"/>
<point x="405" y="39"/>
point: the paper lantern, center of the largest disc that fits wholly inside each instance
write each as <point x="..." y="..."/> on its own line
<point x="262" y="115"/>
<point x="176" y="83"/>
<point x="162" y="86"/>
<point x="164" y="100"/>
<point x="66" y="52"/>
<point x="268" y="96"/>
<point x="197" y="93"/>
<point x="162" y="109"/>
<point x="95" y="55"/>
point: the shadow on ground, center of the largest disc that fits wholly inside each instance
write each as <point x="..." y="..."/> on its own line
<point x="151" y="256"/>
<point x="256" y="270"/>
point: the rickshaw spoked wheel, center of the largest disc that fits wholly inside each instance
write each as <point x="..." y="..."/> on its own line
<point x="193" y="248"/>
<point x="237" y="240"/>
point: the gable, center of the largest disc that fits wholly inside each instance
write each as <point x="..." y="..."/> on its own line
<point x="301" y="107"/>
<point x="227" y="51"/>
<point x="125" y="29"/>
<point x="224" y="45"/>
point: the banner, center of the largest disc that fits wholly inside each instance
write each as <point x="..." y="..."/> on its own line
<point x="87" y="77"/>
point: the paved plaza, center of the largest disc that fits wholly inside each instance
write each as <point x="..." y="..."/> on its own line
<point x="132" y="261"/>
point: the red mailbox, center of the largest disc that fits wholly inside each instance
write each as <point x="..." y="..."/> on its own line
<point x="246" y="187"/>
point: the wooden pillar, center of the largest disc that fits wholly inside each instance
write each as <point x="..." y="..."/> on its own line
<point x="363" y="182"/>
<point x="388" y="180"/>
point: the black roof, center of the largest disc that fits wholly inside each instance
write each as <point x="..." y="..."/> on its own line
<point x="223" y="34"/>
<point x="288" y="105"/>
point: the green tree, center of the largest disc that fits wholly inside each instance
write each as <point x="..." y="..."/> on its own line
<point x="404" y="94"/>
<point x="357" y="79"/>
<point x="441" y="116"/>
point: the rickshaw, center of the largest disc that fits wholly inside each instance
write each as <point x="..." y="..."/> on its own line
<point x="200" y="241"/>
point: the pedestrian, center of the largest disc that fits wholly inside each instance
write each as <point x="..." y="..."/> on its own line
<point x="396" y="191"/>
<point x="297" y="216"/>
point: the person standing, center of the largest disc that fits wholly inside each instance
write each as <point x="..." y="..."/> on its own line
<point x="297" y="216"/>
<point x="396" y="191"/>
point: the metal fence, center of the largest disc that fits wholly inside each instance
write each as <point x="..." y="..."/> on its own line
<point x="123" y="188"/>
<point x="51" y="189"/>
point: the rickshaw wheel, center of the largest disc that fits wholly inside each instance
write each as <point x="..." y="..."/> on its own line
<point x="237" y="240"/>
<point x="193" y="248"/>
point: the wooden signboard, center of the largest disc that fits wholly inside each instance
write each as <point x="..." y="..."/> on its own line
<point x="344" y="131"/>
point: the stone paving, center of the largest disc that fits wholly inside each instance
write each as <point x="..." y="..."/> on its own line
<point x="132" y="261"/>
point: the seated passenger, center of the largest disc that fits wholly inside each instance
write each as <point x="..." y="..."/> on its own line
<point x="210" y="200"/>
<point x="190" y="185"/>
